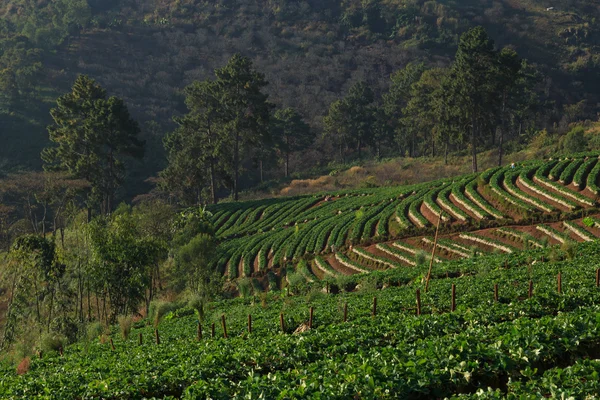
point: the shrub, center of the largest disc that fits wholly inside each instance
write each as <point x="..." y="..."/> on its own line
<point x="94" y="330"/>
<point x="125" y="323"/>
<point x="158" y="309"/>
<point x="244" y="286"/>
<point x="574" y="141"/>
<point x="197" y="303"/>
<point x="52" y="341"/>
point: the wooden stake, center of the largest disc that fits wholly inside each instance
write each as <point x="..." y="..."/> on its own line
<point x="249" y="323"/>
<point x="224" y="325"/>
<point x="310" y="317"/>
<point x="212" y="330"/>
<point x="418" y="302"/>
<point x="433" y="252"/>
<point x="530" y="289"/>
<point x="140" y="340"/>
<point x="598" y="277"/>
<point x="282" y="323"/>
<point x="112" y="345"/>
<point x="199" y="332"/>
<point x="374" y="313"/>
<point x="345" y="312"/>
<point x="157" y="336"/>
<point x="559" y="281"/>
<point x="496" y="292"/>
<point x="453" y="305"/>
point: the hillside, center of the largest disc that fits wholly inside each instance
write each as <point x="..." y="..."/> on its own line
<point x="334" y="299"/>
<point x="348" y="232"/>
<point x="311" y="53"/>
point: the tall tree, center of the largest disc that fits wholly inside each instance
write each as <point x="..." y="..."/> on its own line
<point x="507" y="76"/>
<point x="396" y="99"/>
<point x="244" y="109"/>
<point x="351" y="120"/>
<point x="335" y="123"/>
<point x="92" y="136"/>
<point x="474" y="85"/>
<point x="419" y="115"/>
<point x="291" y="134"/>
<point x="195" y="149"/>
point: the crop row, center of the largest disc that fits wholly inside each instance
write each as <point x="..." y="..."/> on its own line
<point x="517" y="345"/>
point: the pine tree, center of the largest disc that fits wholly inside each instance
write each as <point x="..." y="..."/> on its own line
<point x="92" y="136"/>
<point x="291" y="134"/>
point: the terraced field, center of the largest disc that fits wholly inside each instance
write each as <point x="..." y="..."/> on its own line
<point x="348" y="232"/>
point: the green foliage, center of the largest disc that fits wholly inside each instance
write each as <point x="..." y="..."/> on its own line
<point x="290" y="134"/>
<point x="52" y="342"/>
<point x="125" y="323"/>
<point x="124" y="261"/>
<point x="523" y="340"/>
<point x="92" y="137"/>
<point x="574" y="141"/>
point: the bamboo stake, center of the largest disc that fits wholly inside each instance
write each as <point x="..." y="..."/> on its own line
<point x="249" y="323"/>
<point x="345" y="312"/>
<point x="212" y="330"/>
<point x="437" y="229"/>
<point x="282" y="323"/>
<point x="598" y="277"/>
<point x="157" y="336"/>
<point x="559" y="279"/>
<point x="453" y="305"/>
<point x="140" y="339"/>
<point x="530" y="289"/>
<point x="224" y="326"/>
<point x="310" y="318"/>
<point x="496" y="292"/>
<point x="418" y="302"/>
<point x="374" y="313"/>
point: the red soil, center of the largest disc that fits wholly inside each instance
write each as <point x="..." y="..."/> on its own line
<point x="541" y="198"/>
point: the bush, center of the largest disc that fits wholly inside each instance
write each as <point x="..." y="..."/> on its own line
<point x="244" y="286"/>
<point x="66" y="327"/>
<point x="125" y="323"/>
<point x="574" y="141"/>
<point x="197" y="303"/>
<point x="94" y="330"/>
<point x="52" y="341"/>
<point x="160" y="308"/>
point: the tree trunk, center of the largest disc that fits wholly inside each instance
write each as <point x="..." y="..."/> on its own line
<point x="260" y="165"/>
<point x="446" y="153"/>
<point x="287" y="164"/>
<point x="473" y="148"/>
<point x="213" y="183"/>
<point x="500" y="143"/>
<point x="236" y="166"/>
<point x="502" y="125"/>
